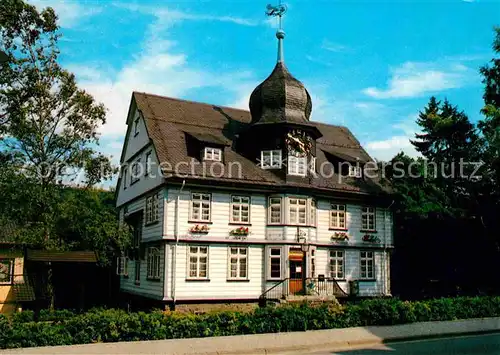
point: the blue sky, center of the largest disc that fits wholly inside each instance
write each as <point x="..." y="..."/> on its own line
<point x="368" y="65"/>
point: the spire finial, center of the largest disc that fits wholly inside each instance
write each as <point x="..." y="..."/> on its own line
<point x="279" y="11"/>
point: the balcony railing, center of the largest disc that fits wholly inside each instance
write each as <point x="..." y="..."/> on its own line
<point x="314" y="286"/>
<point x="324" y="287"/>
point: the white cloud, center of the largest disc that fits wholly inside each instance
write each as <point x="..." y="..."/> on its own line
<point x="165" y="15"/>
<point x="386" y="149"/>
<point x="334" y="47"/>
<point x="414" y="79"/>
<point x="160" y="68"/>
<point x="69" y="12"/>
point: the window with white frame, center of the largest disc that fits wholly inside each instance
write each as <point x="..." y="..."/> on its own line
<point x="355" y="171"/>
<point x="274" y="264"/>
<point x="312" y="212"/>
<point x="297" y="208"/>
<point x="148" y="163"/>
<point x="200" y="207"/>
<point x="198" y="262"/>
<point x="238" y="263"/>
<point x="122" y="266"/>
<point x="270" y="159"/>
<point x="214" y="154"/>
<point x="153" y="264"/>
<point x="337" y="264"/>
<point x="367" y="265"/>
<point x="152" y="214"/>
<point x="136" y="126"/>
<point x="368" y="218"/>
<point x="337" y="216"/>
<point x="136" y="172"/>
<point x="297" y="165"/>
<point x="275" y="210"/>
<point x="240" y="209"/>
<point x="137" y="271"/>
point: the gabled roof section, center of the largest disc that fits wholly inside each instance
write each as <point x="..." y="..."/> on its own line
<point x="168" y="120"/>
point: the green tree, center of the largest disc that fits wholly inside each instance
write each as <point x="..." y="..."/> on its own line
<point x="49" y="127"/>
<point x="453" y="150"/>
<point x="490" y="128"/>
<point x="490" y="125"/>
<point x="413" y="182"/>
<point x="51" y="124"/>
<point x="447" y="134"/>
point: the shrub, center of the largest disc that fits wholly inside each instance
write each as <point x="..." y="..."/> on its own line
<point x="112" y="325"/>
<point x="23" y="317"/>
<point x="55" y="315"/>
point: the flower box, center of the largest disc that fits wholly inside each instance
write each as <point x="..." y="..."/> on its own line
<point x="197" y="229"/>
<point x="370" y="238"/>
<point x="240" y="232"/>
<point x="340" y="237"/>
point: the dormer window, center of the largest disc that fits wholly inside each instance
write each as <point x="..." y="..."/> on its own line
<point x="270" y="159"/>
<point x="214" y="154"/>
<point x="297" y="165"/>
<point x="354" y="171"/>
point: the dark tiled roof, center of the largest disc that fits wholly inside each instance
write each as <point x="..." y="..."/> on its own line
<point x="280" y="98"/>
<point x="168" y="120"/>
<point x="62" y="256"/>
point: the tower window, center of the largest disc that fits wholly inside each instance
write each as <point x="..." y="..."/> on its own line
<point x="214" y="154"/>
<point x="270" y="159"/>
<point x="354" y="171"/>
<point x="297" y="166"/>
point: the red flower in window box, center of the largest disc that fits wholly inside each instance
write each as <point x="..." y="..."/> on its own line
<point x="199" y="229"/>
<point x="340" y="236"/>
<point x="241" y="232"/>
<point x="370" y="238"/>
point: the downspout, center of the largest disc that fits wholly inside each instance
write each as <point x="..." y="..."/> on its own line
<point x="386" y="281"/>
<point x="165" y="245"/>
<point x="176" y="234"/>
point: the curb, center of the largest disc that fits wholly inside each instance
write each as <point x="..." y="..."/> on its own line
<point x="318" y="340"/>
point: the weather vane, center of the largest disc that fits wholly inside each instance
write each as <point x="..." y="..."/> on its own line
<point x="278" y="10"/>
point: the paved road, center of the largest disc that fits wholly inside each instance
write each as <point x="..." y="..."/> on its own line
<point x="468" y="345"/>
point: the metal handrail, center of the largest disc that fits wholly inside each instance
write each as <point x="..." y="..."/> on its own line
<point x="274" y="287"/>
<point x="325" y="286"/>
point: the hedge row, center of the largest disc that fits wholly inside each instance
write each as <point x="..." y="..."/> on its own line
<point x="118" y="325"/>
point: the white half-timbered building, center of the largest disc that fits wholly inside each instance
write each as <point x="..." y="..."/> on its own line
<point x="228" y="205"/>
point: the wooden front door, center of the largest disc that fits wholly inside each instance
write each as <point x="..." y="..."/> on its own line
<point x="296" y="269"/>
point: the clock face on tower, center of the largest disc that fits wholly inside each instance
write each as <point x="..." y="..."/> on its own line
<point x="298" y="142"/>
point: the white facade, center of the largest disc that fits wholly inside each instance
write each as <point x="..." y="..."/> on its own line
<point x="168" y="229"/>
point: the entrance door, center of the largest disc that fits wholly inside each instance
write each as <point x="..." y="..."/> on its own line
<point x="296" y="270"/>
